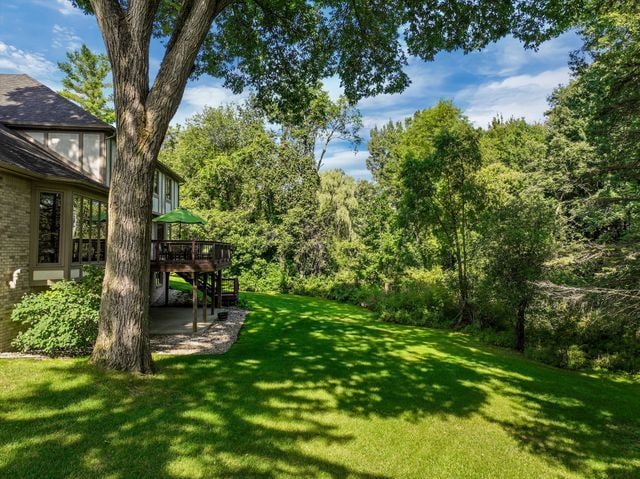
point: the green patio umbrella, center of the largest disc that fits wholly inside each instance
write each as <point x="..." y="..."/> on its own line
<point x="180" y="216"/>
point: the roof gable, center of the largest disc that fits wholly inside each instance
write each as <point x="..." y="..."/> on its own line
<point x="27" y="102"/>
<point x="18" y="152"/>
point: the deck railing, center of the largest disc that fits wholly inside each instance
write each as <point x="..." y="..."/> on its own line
<point x="177" y="251"/>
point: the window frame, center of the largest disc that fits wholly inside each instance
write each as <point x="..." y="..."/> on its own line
<point x="168" y="189"/>
<point x="156" y="183"/>
<point x="61" y="227"/>
<point x="91" y="226"/>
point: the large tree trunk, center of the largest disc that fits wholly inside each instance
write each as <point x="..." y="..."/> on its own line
<point x="143" y="116"/>
<point x="123" y="340"/>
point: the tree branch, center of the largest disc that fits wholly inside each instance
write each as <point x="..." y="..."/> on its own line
<point x="113" y="25"/>
<point x="179" y="59"/>
<point x="140" y="16"/>
<point x="185" y="11"/>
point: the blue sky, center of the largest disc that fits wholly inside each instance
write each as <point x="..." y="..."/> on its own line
<point x="504" y="78"/>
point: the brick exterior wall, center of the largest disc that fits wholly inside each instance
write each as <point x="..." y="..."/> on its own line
<point x="15" y="229"/>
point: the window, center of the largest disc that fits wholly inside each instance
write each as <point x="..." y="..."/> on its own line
<point x="156" y="183"/>
<point x="37" y="136"/>
<point x="168" y="193"/>
<point x="92" y="158"/>
<point x="66" y="144"/>
<point x="76" y="229"/>
<point x="49" y="228"/>
<point x="89" y="230"/>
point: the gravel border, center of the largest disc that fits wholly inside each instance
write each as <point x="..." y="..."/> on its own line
<point x="216" y="339"/>
<point x="18" y="355"/>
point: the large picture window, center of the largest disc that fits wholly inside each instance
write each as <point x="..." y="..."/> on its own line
<point x="49" y="228"/>
<point x="89" y="230"/>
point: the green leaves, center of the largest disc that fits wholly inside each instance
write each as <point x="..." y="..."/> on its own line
<point x="62" y="319"/>
<point x="85" y="81"/>
<point x="280" y="48"/>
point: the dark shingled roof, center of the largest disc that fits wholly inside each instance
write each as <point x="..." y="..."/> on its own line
<point x="25" y="101"/>
<point x="19" y="152"/>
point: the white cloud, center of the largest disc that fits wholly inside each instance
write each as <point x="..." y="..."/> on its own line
<point x="351" y="162"/>
<point x="196" y="97"/>
<point x="341" y="158"/>
<point x="65" y="7"/>
<point x="519" y="96"/>
<point x="333" y="86"/>
<point x="13" y="59"/>
<point x="64" y="37"/>
<point x="425" y="77"/>
<point x="207" y="95"/>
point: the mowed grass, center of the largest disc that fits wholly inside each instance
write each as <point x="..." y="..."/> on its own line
<point x="317" y="389"/>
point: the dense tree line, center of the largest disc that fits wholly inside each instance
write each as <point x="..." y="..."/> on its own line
<point x="277" y="50"/>
<point x="525" y="234"/>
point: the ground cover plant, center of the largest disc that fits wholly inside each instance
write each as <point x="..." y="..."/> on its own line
<point x="315" y="388"/>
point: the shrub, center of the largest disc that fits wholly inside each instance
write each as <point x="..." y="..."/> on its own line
<point x="576" y="358"/>
<point x="262" y="276"/>
<point x="504" y="338"/>
<point x="61" y="320"/>
<point x="606" y="341"/>
<point x="423" y="298"/>
<point x="338" y="288"/>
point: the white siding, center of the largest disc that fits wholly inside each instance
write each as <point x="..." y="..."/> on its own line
<point x="92" y="162"/>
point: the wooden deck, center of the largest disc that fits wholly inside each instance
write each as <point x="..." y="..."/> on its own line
<point x="189" y="256"/>
<point x="200" y="263"/>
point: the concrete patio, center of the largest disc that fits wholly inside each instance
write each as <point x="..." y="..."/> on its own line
<point x="178" y="320"/>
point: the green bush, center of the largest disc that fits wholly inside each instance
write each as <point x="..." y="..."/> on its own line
<point x="576" y="358"/>
<point x="423" y="298"/>
<point x="337" y="288"/>
<point x="605" y="341"/>
<point x="263" y="276"/>
<point x="63" y="320"/>
<point x="504" y="338"/>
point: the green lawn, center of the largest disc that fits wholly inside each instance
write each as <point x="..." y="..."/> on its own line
<point x="176" y="282"/>
<point x="312" y="389"/>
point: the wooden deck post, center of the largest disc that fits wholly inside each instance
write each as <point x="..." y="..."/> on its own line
<point x="205" y="277"/>
<point x="213" y="294"/>
<point x="166" y="288"/>
<point x="194" y="288"/>
<point x="219" y="289"/>
<point x="236" y="290"/>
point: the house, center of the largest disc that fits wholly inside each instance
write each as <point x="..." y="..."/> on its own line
<point x="55" y="164"/>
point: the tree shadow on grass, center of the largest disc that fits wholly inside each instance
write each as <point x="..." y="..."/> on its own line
<point x="299" y="361"/>
<point x="244" y="414"/>
<point x="590" y="424"/>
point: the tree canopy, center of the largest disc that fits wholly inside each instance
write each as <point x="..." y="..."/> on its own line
<point x="280" y="48"/>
